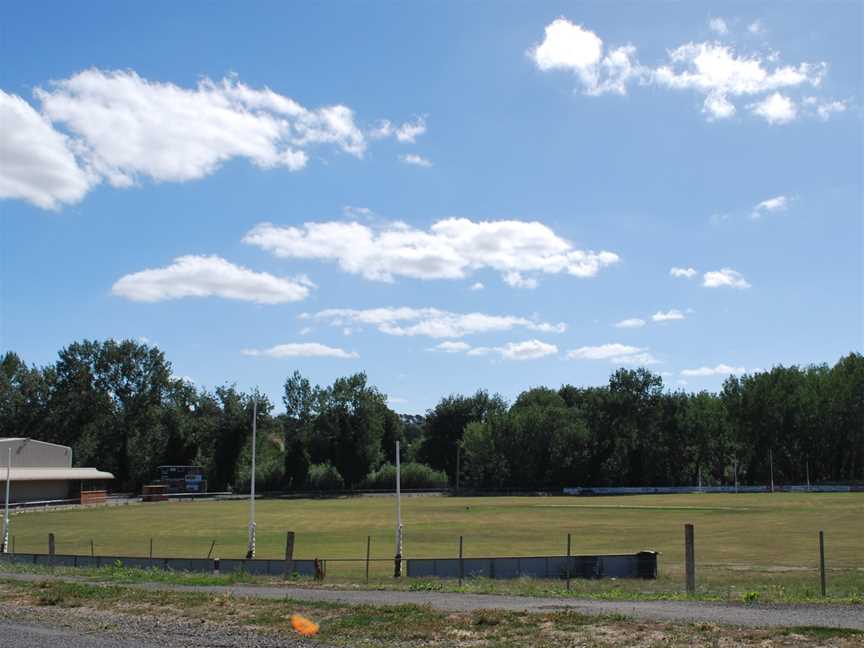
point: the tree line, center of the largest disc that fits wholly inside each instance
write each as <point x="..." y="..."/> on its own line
<point x="118" y="405"/>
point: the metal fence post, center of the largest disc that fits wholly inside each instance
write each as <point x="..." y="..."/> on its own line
<point x="50" y="548"/>
<point x="822" y="560"/>
<point x="689" y="558"/>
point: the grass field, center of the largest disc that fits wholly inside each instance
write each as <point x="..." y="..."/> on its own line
<point x="773" y="535"/>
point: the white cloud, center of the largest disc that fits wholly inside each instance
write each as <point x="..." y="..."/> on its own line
<point x="407" y="132"/>
<point x="568" y="46"/>
<point x="775" y="109"/>
<point x="516" y="280"/>
<point x="669" y="316"/>
<point x="172" y="133"/>
<point x="825" y="108"/>
<point x="719" y="370"/>
<point x="717" y="106"/>
<point x="410" y="131"/>
<point x="477" y="286"/>
<point x="633" y="322"/>
<point x="415" y="160"/>
<point x="210" y="276"/>
<point x="301" y="350"/>
<point x="527" y="350"/>
<point x="776" y="204"/>
<point x="452" y="347"/>
<point x="724" y="277"/>
<point x="756" y="27"/>
<point x="449" y="249"/>
<point x="687" y="273"/>
<point x="712" y="69"/>
<point x="718" y="25"/>
<point x="38" y="164"/>
<point x="430" y="322"/>
<point x="120" y="127"/>
<point x="357" y="212"/>
<point x="616" y="353"/>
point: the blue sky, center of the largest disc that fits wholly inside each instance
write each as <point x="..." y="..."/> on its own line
<point x="268" y="187"/>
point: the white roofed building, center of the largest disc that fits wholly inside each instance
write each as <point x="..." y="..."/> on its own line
<point x="43" y="472"/>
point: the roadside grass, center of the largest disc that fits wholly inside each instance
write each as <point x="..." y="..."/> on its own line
<point x="732" y="587"/>
<point x="406" y="625"/>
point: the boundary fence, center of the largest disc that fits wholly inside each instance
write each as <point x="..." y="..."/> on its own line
<point x="640" y="565"/>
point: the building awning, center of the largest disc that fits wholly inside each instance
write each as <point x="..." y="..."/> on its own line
<point x="55" y="474"/>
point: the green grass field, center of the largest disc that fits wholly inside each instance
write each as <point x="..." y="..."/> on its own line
<point x="775" y="535"/>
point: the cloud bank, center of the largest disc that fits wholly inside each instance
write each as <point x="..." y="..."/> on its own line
<point x="450" y="249"/>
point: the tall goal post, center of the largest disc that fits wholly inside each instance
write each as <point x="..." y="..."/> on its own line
<point x="397" y="571"/>
<point x="250" y="550"/>
<point x="4" y="540"/>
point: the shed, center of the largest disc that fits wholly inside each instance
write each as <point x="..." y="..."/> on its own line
<point x="43" y="471"/>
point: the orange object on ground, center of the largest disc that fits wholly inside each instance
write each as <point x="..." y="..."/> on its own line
<point x="304" y="626"/>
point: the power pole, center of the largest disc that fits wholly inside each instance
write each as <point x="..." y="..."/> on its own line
<point x="250" y="551"/>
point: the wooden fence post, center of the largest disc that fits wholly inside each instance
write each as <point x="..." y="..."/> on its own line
<point x="92" y="550"/>
<point x="461" y="563"/>
<point x="822" y="561"/>
<point x="289" y="554"/>
<point x="690" y="558"/>
<point x="51" y="548"/>
<point x="368" y="549"/>
<point x="568" y="562"/>
<point x="151" y="548"/>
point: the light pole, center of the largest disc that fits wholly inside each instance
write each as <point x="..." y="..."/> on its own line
<point x="250" y="551"/>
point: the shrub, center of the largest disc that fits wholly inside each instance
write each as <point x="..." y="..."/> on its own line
<point x="414" y="475"/>
<point x="324" y="477"/>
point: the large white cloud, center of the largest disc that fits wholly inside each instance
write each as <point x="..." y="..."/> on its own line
<point x="122" y="128"/>
<point x="431" y="322"/>
<point x="719" y="370"/>
<point x="36" y="162"/>
<point x="527" y="350"/>
<point x="302" y="350"/>
<point x="711" y="68"/>
<point x="568" y="46"/>
<point x="210" y="276"/>
<point x="615" y="352"/>
<point x="450" y="249"/>
<point x="724" y="277"/>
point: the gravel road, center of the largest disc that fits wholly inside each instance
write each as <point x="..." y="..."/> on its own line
<point x="756" y="616"/>
<point x="38" y="627"/>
